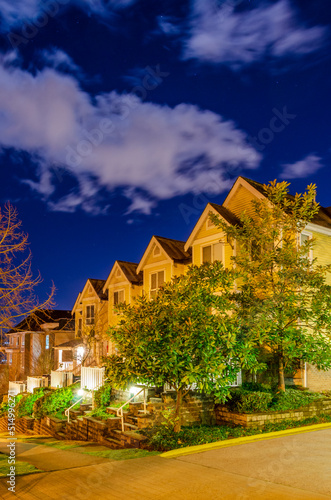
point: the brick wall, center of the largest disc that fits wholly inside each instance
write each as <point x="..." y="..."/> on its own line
<point x="224" y="416"/>
<point x="318" y="380"/>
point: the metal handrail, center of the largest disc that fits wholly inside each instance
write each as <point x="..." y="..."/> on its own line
<point x="67" y="411"/>
<point x="119" y="412"/>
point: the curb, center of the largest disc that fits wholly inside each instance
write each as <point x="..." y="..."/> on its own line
<point x="190" y="450"/>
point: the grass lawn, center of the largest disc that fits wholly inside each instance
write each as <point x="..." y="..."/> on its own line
<point x="92" y="449"/>
<point x="21" y="468"/>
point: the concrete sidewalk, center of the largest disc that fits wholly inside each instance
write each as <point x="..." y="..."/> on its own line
<point x="48" y="458"/>
<point x="296" y="467"/>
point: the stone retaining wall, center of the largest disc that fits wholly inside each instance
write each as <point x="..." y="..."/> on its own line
<point x="224" y="416"/>
<point x="196" y="409"/>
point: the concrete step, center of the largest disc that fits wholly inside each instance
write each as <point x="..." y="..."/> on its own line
<point x="131" y="427"/>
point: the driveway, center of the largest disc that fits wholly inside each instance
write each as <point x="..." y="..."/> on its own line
<point x="296" y="467"/>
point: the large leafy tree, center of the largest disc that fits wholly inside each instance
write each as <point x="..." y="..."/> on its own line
<point x="187" y="335"/>
<point x="283" y="296"/>
<point x="18" y="296"/>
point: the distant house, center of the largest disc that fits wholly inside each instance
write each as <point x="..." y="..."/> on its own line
<point x="29" y="349"/>
<point x="91" y="321"/>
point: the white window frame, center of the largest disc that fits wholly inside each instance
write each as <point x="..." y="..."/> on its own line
<point x="47" y="341"/>
<point x="153" y="291"/>
<point x="90" y="318"/>
<point x="211" y="244"/>
<point x="118" y="292"/>
<point x="310" y="237"/>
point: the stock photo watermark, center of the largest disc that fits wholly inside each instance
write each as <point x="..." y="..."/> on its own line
<point x="30" y="30"/>
<point x="11" y="475"/>
<point x="93" y="138"/>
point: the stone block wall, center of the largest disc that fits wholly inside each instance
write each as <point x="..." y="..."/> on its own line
<point x="224" y="416"/>
<point x="196" y="409"/>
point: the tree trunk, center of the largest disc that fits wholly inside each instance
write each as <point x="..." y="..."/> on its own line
<point x="281" y="378"/>
<point x="177" y="424"/>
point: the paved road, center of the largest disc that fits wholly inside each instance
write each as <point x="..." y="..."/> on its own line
<point x="294" y="467"/>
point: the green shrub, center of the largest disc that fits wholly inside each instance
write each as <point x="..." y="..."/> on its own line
<point x="245" y="401"/>
<point x="103" y="396"/>
<point x="100" y="413"/>
<point x="24" y="407"/>
<point x="51" y="403"/>
<point x="293" y="399"/>
<point x="3" y="409"/>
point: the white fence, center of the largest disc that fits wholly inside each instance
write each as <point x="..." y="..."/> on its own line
<point x="61" y="378"/>
<point x="16" y="388"/>
<point x="33" y="382"/>
<point x="91" y="378"/>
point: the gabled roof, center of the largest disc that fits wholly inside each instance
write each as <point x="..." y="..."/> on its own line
<point x="98" y="288"/>
<point x="174" y="249"/>
<point x="129" y="270"/>
<point x="228" y="216"/>
<point x="322" y="218"/>
<point x="34" y="322"/>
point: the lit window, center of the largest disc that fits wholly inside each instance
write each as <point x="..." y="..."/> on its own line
<point x="89" y="315"/>
<point x="17" y="341"/>
<point x="211" y="253"/>
<point x="23" y="340"/>
<point x="10" y="358"/>
<point x="47" y="342"/>
<point x="119" y="297"/>
<point x="157" y="279"/>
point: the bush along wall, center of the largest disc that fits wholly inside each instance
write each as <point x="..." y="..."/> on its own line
<point x="259" y="407"/>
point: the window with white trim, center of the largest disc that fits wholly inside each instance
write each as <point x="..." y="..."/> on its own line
<point x="157" y="279"/>
<point x="119" y="297"/>
<point x="47" y="342"/>
<point x="304" y="238"/>
<point x="211" y="253"/>
<point x="89" y="315"/>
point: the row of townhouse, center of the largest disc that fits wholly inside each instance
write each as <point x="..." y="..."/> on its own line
<point x="165" y="258"/>
<point x="87" y="344"/>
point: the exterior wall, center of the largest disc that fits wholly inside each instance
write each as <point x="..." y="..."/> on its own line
<point x="241" y="201"/>
<point x="318" y="380"/>
<point x="322" y="250"/>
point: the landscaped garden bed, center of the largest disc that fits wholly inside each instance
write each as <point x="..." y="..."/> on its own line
<point x="164" y="439"/>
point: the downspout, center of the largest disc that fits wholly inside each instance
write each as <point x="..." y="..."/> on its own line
<point x="305" y="382"/>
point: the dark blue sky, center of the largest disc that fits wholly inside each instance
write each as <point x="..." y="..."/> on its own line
<point x="120" y="119"/>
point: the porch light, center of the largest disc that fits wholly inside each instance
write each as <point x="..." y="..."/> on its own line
<point x="80" y="392"/>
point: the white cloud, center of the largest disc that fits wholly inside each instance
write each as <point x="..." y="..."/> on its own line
<point x="15" y="13"/>
<point x="304" y="168"/>
<point x="115" y="142"/>
<point x="238" y="38"/>
<point x="58" y="59"/>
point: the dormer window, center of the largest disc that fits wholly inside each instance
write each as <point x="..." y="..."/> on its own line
<point x="157" y="279"/>
<point x="304" y="239"/>
<point x="211" y="253"/>
<point x="118" y="273"/>
<point x="89" y="315"/>
<point x="119" y="297"/>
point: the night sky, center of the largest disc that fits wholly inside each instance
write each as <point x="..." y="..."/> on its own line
<point x="121" y="119"/>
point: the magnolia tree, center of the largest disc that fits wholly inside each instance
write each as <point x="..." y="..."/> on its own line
<point x="284" y="299"/>
<point x="187" y="335"/>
